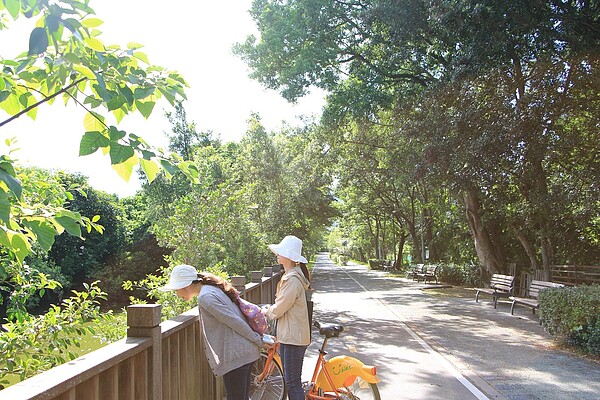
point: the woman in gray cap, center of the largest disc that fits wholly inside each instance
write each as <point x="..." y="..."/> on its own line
<point x="291" y="312"/>
<point x="231" y="346"/>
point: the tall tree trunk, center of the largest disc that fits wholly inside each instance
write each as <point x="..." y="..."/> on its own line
<point x="487" y="251"/>
<point x="547" y="254"/>
<point x="528" y="246"/>
<point x="398" y="262"/>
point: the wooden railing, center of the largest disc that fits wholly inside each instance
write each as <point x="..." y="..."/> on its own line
<point x="570" y="275"/>
<point x="156" y="361"/>
<point x="575" y="274"/>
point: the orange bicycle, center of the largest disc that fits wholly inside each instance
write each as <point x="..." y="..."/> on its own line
<point x="340" y="377"/>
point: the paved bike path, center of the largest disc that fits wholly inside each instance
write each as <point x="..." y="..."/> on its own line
<point x="430" y="348"/>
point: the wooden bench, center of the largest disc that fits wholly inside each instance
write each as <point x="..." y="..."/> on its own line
<point x="388" y="265"/>
<point x="533" y="292"/>
<point x="417" y="269"/>
<point x="428" y="273"/>
<point x="500" y="286"/>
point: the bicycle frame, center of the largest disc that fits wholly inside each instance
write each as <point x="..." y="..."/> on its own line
<point x="331" y="376"/>
<point x="272" y="355"/>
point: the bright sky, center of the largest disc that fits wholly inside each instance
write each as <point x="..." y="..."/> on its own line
<point x="193" y="37"/>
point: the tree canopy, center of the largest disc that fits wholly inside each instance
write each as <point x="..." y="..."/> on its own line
<point x="495" y="124"/>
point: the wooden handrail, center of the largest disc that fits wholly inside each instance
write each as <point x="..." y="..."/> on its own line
<point x="156" y="361"/>
<point x="65" y="377"/>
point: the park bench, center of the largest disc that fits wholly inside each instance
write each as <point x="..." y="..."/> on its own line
<point x="417" y="269"/>
<point x="533" y="292"/>
<point x="388" y="265"/>
<point x="500" y="286"/>
<point x="428" y="273"/>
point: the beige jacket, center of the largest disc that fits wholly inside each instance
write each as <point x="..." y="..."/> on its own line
<point x="290" y="309"/>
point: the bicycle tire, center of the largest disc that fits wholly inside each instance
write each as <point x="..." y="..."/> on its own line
<point x="272" y="387"/>
<point x="362" y="390"/>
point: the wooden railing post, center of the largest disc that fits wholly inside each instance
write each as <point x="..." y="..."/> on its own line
<point x="268" y="272"/>
<point x="256" y="276"/>
<point x="143" y="320"/>
<point x="239" y="283"/>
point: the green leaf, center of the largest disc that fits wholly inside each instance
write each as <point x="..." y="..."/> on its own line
<point x="43" y="231"/>
<point x="141" y="56"/>
<point x="73" y="58"/>
<point x="11" y="104"/>
<point x="32" y="113"/>
<point x="141" y="93"/>
<point x="147" y="155"/>
<point x="69" y="224"/>
<point x="19" y="245"/>
<point x="145" y="108"/>
<point x="13" y="184"/>
<point x="4" y="207"/>
<point x="13" y="7"/>
<point x="73" y="25"/>
<point x="127" y="93"/>
<point x="115" y="102"/>
<point x="169" y="167"/>
<point x="38" y="41"/>
<point x="85" y="71"/>
<point x="92" y="22"/>
<point x="119" y="153"/>
<point x="4" y="241"/>
<point x="134" y="45"/>
<point x="91" y="142"/>
<point x="94" y="44"/>
<point x="94" y="122"/>
<point x="115" y="134"/>
<point x="125" y="169"/>
<point x="52" y="23"/>
<point x="150" y="168"/>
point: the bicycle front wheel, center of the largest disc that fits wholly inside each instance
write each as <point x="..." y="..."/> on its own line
<point x="361" y="390"/>
<point x="272" y="387"/>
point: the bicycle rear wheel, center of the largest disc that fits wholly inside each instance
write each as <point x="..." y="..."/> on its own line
<point x="361" y="390"/>
<point x="272" y="387"/>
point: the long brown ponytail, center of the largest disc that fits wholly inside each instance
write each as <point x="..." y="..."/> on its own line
<point x="305" y="272"/>
<point x="206" y="278"/>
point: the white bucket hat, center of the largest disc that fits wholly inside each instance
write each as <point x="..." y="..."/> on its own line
<point x="290" y="247"/>
<point x="182" y="276"/>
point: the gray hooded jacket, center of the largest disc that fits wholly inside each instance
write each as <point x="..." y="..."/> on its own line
<point x="229" y="342"/>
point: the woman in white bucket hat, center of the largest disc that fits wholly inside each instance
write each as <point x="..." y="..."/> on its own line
<point x="231" y="346"/>
<point x="291" y="312"/>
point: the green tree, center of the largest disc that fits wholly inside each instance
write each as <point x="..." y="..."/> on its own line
<point x="80" y="258"/>
<point x="67" y="59"/>
<point x="288" y="183"/>
<point x="499" y="105"/>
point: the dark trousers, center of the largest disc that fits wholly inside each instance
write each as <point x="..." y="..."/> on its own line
<point x="292" y="358"/>
<point x="237" y="383"/>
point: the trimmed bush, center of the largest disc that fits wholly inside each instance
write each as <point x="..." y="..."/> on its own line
<point x="572" y="316"/>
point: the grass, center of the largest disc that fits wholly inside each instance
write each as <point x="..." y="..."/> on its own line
<point x="454" y="291"/>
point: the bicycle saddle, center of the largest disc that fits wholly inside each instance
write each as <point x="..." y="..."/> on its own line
<point x="329" y="330"/>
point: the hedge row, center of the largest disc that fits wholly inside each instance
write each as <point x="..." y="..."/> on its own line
<point x="572" y="315"/>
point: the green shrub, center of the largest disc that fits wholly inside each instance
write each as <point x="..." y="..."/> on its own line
<point x="39" y="343"/>
<point x="572" y="316"/>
